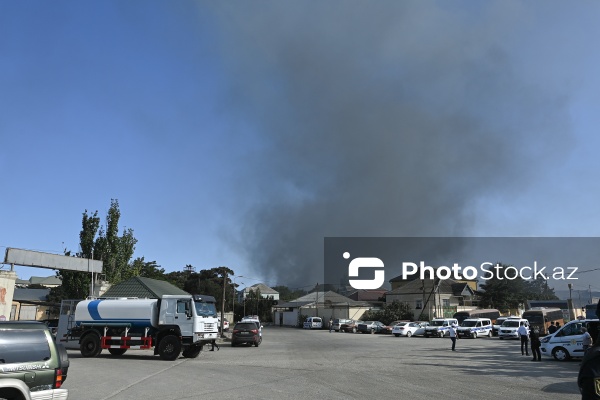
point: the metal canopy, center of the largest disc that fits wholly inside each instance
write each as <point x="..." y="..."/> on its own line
<point x="28" y="258"/>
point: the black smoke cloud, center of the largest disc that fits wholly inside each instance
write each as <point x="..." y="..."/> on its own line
<point x="375" y="119"/>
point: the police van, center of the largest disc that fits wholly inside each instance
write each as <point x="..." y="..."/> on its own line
<point x="474" y="327"/>
<point x="567" y="341"/>
<point x="313" y="323"/>
<point x="439" y="327"/>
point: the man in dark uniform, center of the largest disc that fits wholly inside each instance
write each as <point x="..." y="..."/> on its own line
<point x="589" y="372"/>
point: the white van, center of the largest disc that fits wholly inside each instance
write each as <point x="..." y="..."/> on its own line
<point x="439" y="326"/>
<point x="313" y="323"/>
<point x="510" y="327"/>
<point x="474" y="327"/>
<point x="567" y="341"/>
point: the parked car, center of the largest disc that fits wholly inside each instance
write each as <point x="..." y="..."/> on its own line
<point x="496" y="325"/>
<point x="351" y="326"/>
<point x="249" y="332"/>
<point x="225" y="325"/>
<point x="372" y="327"/>
<point x="389" y="327"/>
<point x="313" y="323"/>
<point x="567" y="341"/>
<point x="509" y="328"/>
<point x="29" y="353"/>
<point x="474" y="327"/>
<point x="439" y="327"/>
<point x="338" y="322"/>
<point x="409" y="329"/>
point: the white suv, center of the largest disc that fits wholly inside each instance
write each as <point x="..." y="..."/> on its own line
<point x="509" y="328"/>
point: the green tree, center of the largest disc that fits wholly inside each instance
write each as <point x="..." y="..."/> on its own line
<point x="115" y="251"/>
<point x="391" y="312"/>
<point x="287" y="294"/>
<point x="504" y="294"/>
<point x="97" y="244"/>
<point x="146" y="269"/>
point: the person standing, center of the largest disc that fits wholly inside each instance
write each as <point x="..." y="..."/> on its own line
<point x="524" y="335"/>
<point x="587" y="340"/>
<point x="589" y="371"/>
<point x="535" y="346"/>
<point x="452" y="332"/>
<point x="551" y="328"/>
<point x="330" y="324"/>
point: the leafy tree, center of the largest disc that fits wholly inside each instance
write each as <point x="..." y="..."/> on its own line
<point x="115" y="251"/>
<point x="287" y="294"/>
<point x="146" y="269"/>
<point x="97" y="244"/>
<point x="391" y="312"/>
<point x="504" y="294"/>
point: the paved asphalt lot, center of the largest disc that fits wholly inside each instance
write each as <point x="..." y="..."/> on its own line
<point x="301" y="364"/>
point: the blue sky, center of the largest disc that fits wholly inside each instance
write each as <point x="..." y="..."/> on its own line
<point x="241" y="134"/>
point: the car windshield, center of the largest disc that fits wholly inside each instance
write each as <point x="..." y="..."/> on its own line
<point x="245" y="326"/>
<point x="369" y="322"/>
<point x="469" y="323"/>
<point x="510" y="324"/>
<point x="204" y="309"/>
<point x="437" y="323"/>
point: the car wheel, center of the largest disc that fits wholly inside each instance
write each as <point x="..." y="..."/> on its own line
<point x="169" y="348"/>
<point x="117" y="352"/>
<point x="560" y="354"/>
<point x="372" y="331"/>
<point x="490" y="334"/>
<point x="233" y="344"/>
<point x="353" y="330"/>
<point x="409" y="334"/>
<point x="192" y="352"/>
<point x="441" y="334"/>
<point x="501" y="337"/>
<point x="474" y="335"/>
<point x="90" y="345"/>
<point x="396" y="334"/>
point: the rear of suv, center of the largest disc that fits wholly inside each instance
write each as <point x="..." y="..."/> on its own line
<point x="29" y="354"/>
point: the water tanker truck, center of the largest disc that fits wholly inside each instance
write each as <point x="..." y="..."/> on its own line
<point x="172" y="325"/>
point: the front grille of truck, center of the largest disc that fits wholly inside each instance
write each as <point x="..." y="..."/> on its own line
<point x="209" y="327"/>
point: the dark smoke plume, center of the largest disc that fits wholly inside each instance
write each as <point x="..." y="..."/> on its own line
<point x="375" y="119"/>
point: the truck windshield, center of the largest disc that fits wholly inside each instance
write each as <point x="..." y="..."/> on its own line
<point x="204" y="309"/>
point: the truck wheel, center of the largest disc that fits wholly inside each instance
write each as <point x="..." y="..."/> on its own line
<point x="169" y="348"/>
<point x="117" y="352"/>
<point x="192" y="351"/>
<point x="90" y="345"/>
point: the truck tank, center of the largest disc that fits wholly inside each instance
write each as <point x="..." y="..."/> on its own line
<point x="139" y="313"/>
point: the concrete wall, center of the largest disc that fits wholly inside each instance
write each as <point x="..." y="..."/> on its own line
<point x="7" y="291"/>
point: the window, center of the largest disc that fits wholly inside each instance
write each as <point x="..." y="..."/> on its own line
<point x="446" y="302"/>
<point x="18" y="346"/>
<point x="418" y="304"/>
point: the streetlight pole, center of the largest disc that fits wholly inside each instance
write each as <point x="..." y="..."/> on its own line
<point x="234" y="293"/>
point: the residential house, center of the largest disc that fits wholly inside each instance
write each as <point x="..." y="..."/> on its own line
<point x="428" y="298"/>
<point x="32" y="304"/>
<point x="265" y="292"/>
<point x="322" y="304"/>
